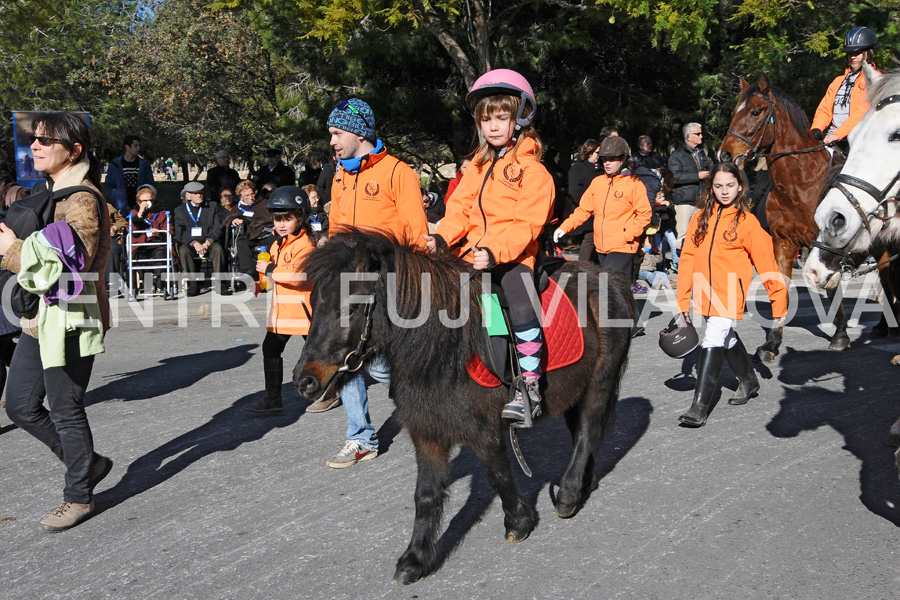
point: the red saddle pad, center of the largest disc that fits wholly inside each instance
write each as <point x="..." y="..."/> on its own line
<point x="563" y="338"/>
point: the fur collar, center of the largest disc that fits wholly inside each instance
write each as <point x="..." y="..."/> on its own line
<point x="74" y="175"/>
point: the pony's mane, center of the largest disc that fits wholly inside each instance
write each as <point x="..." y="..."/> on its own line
<point x="432" y="346"/>
<point x="795" y="114"/>
<point x="888" y="85"/>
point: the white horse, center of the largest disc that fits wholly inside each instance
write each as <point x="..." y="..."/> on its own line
<point x="860" y="212"/>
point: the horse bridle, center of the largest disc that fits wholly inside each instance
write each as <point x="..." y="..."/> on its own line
<point x="768" y="119"/>
<point x="880" y="211"/>
<point x="357" y="357"/>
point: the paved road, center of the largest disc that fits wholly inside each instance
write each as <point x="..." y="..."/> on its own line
<point x="793" y="495"/>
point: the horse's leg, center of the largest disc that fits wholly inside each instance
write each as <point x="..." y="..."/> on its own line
<point x="785" y="251"/>
<point x="518" y="515"/>
<point x="840" y="340"/>
<point x="432" y="460"/>
<point x="579" y="478"/>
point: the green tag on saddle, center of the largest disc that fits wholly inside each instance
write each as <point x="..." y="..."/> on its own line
<point x="493" y="315"/>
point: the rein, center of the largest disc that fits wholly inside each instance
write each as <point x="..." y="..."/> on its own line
<point x="356" y="358"/>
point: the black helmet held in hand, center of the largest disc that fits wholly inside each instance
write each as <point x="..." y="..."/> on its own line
<point x="860" y="38"/>
<point x="288" y="198"/>
<point x="678" y="340"/>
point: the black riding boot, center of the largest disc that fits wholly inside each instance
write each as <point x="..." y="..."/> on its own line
<point x="707" y="379"/>
<point x="271" y="403"/>
<point x="742" y="365"/>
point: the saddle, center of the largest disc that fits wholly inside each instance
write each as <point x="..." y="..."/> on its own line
<point x="563" y="337"/>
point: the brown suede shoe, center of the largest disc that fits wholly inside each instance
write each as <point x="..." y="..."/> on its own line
<point x="325" y="405"/>
<point x="68" y="515"/>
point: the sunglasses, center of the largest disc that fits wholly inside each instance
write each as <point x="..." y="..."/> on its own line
<point x="346" y="106"/>
<point x="43" y="140"/>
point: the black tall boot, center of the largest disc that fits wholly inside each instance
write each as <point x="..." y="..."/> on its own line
<point x="273" y="368"/>
<point x="742" y="365"/>
<point x="707" y="379"/>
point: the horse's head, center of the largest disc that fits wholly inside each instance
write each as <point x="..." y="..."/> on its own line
<point x="752" y="123"/>
<point x="345" y="275"/>
<point x="861" y="204"/>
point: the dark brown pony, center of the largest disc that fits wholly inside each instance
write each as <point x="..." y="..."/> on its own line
<point x="767" y="123"/>
<point x="437" y="402"/>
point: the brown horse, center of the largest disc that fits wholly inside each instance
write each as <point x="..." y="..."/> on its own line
<point x="767" y="123"/>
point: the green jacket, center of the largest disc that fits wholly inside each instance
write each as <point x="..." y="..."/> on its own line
<point x="40" y="269"/>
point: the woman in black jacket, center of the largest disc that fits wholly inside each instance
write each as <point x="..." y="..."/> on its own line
<point x="580" y="176"/>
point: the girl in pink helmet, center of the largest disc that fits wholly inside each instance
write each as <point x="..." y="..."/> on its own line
<point x="499" y="209"/>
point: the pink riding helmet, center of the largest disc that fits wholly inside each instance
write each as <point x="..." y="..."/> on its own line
<point x="504" y="82"/>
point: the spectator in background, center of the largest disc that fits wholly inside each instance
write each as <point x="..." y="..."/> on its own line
<point x="221" y="176"/>
<point x="646" y="156"/>
<point x="256" y="227"/>
<point x="275" y="172"/>
<point x="463" y="165"/>
<point x="326" y="177"/>
<point x="434" y="208"/>
<point x="581" y="175"/>
<point x="318" y="218"/>
<point x="312" y="168"/>
<point x="608" y="131"/>
<point x="226" y="198"/>
<point x="126" y="174"/>
<point x="690" y="166"/>
<point x="198" y="229"/>
<point x="149" y="219"/>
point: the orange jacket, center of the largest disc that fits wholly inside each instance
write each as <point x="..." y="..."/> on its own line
<point x="858" y="106"/>
<point x="384" y="196"/>
<point x="501" y="209"/>
<point x="723" y="263"/>
<point x="621" y="213"/>
<point x="289" y="303"/>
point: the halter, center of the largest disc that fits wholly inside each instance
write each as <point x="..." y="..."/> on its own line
<point x="355" y="359"/>
<point x="768" y="119"/>
<point x="880" y="211"/>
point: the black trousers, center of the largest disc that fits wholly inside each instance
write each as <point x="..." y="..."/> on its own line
<point x="515" y="280"/>
<point x="617" y="261"/>
<point x="274" y="343"/>
<point x="247" y="257"/>
<point x="64" y="428"/>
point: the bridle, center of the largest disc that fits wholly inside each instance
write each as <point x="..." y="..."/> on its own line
<point x="880" y="212"/>
<point x="357" y="357"/>
<point x="768" y="119"/>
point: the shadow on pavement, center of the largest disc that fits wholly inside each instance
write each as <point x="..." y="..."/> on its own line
<point x="547" y="454"/>
<point x="226" y="431"/>
<point x="170" y="375"/>
<point x="859" y="412"/>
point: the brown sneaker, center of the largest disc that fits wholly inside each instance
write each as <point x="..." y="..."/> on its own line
<point x="325" y="405"/>
<point x="68" y="515"/>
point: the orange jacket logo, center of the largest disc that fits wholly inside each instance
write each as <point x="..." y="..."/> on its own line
<point x="512" y="172"/>
<point x="618" y="194"/>
<point x="730" y="235"/>
<point x="372" y="188"/>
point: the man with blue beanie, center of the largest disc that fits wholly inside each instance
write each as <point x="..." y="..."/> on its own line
<point x="376" y="191"/>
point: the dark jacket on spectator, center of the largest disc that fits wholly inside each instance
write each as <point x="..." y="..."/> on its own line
<point x="280" y="176"/>
<point x="256" y="217"/>
<point x="686" y="164"/>
<point x="220" y="178"/>
<point x="651" y="161"/>
<point x="324" y="183"/>
<point x="210" y="222"/>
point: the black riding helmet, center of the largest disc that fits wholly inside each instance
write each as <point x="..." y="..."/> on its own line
<point x="860" y="38"/>
<point x="677" y="341"/>
<point x="289" y="198"/>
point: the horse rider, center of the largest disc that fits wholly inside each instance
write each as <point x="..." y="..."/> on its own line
<point x="499" y="209"/>
<point x="845" y="101"/>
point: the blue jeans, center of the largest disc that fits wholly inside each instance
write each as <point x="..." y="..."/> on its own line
<point x="356" y="403"/>
<point x="653" y="277"/>
<point x="670" y="241"/>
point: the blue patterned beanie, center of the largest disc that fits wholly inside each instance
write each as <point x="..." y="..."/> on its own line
<point x="355" y="116"/>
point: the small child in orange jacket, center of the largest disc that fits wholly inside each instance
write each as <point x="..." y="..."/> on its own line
<point x="724" y="243"/>
<point x="289" y="311"/>
<point x="499" y="209"/>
